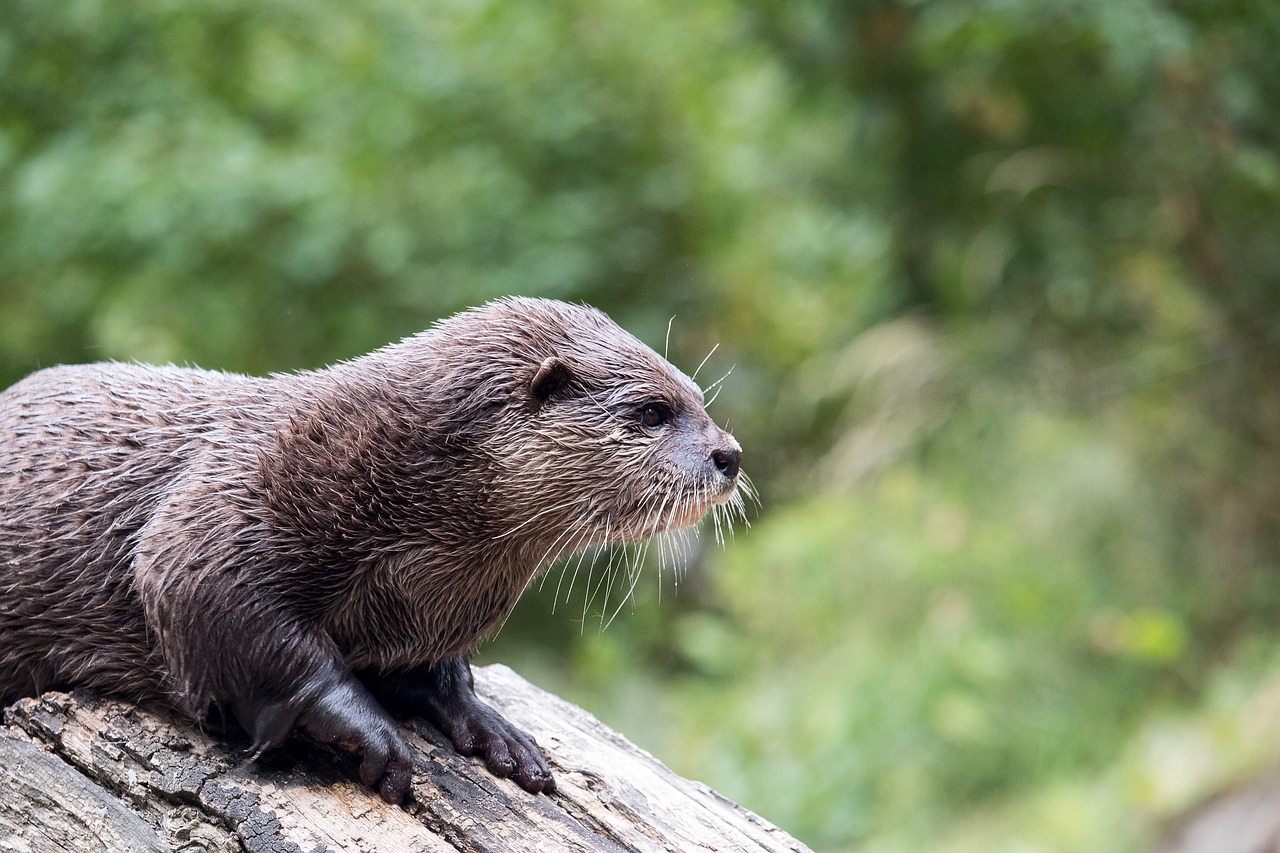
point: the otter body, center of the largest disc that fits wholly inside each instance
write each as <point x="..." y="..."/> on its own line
<point x="295" y="551"/>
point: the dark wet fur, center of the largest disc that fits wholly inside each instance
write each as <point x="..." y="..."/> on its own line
<point x="206" y="540"/>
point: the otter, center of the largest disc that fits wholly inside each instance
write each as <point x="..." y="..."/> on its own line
<point x="301" y="551"/>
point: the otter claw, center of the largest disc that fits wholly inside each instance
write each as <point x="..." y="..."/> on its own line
<point x="395" y="774"/>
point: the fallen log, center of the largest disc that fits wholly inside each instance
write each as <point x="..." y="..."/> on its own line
<point x="85" y="773"/>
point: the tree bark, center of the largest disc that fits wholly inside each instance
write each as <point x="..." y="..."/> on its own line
<point x="82" y="773"/>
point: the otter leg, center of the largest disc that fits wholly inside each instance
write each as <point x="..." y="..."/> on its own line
<point x="445" y="694"/>
<point x="228" y="635"/>
<point x="333" y="707"/>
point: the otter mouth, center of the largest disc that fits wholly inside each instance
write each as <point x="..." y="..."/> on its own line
<point x="697" y="508"/>
<point x="691" y="515"/>
<point x="689" y="502"/>
<point x="688" y="513"/>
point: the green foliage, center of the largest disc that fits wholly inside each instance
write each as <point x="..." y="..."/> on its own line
<point x="998" y="282"/>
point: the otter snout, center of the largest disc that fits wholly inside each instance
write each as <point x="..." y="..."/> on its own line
<point x="726" y="457"/>
<point x="727" y="460"/>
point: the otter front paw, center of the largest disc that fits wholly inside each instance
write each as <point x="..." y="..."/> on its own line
<point x="445" y="694"/>
<point x="508" y="752"/>
<point x="349" y="717"/>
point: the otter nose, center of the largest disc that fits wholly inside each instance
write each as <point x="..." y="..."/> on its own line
<point x="727" y="461"/>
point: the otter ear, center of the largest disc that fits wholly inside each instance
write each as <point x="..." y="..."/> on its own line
<point x="552" y="377"/>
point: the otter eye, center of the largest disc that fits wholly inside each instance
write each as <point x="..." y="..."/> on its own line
<point x="655" y="414"/>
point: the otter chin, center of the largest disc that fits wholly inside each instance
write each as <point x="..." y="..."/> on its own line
<point x="304" y="551"/>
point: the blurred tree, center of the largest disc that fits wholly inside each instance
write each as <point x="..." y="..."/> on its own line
<point x="1094" y="182"/>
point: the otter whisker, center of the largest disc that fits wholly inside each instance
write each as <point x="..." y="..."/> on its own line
<point x="704" y="361"/>
<point x="662" y="560"/>
<point x="587" y="594"/>
<point x="605" y="584"/>
<point x="637" y="564"/>
<point x="629" y="562"/>
<point x="672" y="550"/>
<point x="634" y="571"/>
<point x="635" y="568"/>
<point x="717" y="386"/>
<point x="594" y="554"/>
<point x="739" y="505"/>
<point x="606" y="578"/>
<point x="604" y="409"/>
<point x="554" y="508"/>
<point x="563" y="540"/>
<point x="747" y="488"/>
<point x="574" y="540"/>
<point x="655" y="520"/>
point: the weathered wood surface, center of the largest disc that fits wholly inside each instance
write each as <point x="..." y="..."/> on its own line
<point x="1245" y="817"/>
<point x="86" y="774"/>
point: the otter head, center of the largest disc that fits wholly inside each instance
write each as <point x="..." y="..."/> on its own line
<point x="610" y="443"/>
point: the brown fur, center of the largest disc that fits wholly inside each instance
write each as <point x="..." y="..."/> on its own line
<point x="204" y="539"/>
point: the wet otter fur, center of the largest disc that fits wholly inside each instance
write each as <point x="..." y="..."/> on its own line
<point x="296" y="551"/>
